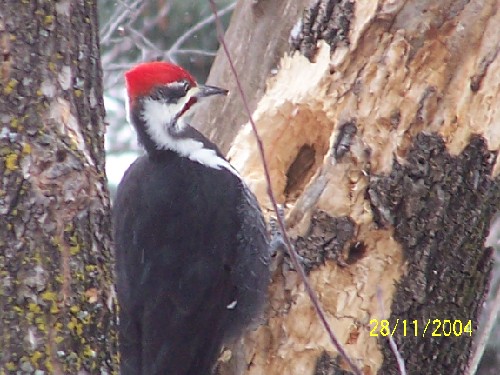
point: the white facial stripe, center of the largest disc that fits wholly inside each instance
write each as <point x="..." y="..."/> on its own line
<point x="127" y="108"/>
<point x="165" y="114"/>
<point x="158" y="116"/>
<point x="161" y="114"/>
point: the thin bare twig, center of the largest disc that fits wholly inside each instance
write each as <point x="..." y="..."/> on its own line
<point x="392" y="342"/>
<point x="482" y="340"/>
<point x="291" y="250"/>
<point x="118" y="66"/>
<point x="144" y="44"/>
<point x="200" y="25"/>
<point x="118" y="17"/>
<point x="142" y="41"/>
<point x="162" y="13"/>
<point x="198" y="52"/>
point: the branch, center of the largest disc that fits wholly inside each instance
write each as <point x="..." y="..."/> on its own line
<point x="392" y="342"/>
<point x="118" y="17"/>
<point x="143" y="43"/>
<point x="200" y="25"/>
<point x="199" y="52"/>
<point x="162" y="13"/>
<point x="482" y="340"/>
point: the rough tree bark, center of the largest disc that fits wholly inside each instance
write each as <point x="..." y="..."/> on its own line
<point x="57" y="308"/>
<point x="382" y="135"/>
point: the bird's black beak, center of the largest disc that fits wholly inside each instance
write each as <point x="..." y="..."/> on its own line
<point x="205" y="90"/>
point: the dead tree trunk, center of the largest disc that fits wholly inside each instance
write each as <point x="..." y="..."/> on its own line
<point x="57" y="308"/>
<point x="382" y="135"/>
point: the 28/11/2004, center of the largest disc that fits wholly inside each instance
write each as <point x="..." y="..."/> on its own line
<point x="430" y="327"/>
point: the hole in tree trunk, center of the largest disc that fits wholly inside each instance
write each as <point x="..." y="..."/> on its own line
<point x="299" y="171"/>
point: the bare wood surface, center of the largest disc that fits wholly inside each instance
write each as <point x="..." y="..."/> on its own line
<point x="383" y="145"/>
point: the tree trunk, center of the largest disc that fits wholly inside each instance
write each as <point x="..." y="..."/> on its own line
<point x="57" y="305"/>
<point x="382" y="135"/>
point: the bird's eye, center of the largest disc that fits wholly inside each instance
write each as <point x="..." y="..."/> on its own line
<point x="186" y="85"/>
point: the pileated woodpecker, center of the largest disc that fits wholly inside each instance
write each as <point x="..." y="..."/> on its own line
<point x="192" y="253"/>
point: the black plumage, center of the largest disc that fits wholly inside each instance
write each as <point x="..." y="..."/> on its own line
<point x="191" y="260"/>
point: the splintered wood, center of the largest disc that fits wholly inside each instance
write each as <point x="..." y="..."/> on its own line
<point x="340" y="119"/>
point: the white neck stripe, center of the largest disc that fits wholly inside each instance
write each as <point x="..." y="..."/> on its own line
<point x="157" y="117"/>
